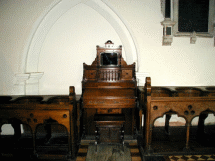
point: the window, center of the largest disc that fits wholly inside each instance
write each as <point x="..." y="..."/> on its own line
<point x="193" y="16"/>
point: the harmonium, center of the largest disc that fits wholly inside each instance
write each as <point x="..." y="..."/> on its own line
<point x="109" y="89"/>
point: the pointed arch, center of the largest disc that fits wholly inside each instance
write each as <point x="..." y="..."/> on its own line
<point x="55" y="11"/>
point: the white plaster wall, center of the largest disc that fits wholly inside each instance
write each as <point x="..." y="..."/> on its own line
<point x="181" y="63"/>
<point x="180" y="121"/>
<point x="71" y="41"/>
<point x="17" y="21"/>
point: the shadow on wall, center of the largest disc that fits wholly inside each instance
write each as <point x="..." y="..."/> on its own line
<point x="7" y="77"/>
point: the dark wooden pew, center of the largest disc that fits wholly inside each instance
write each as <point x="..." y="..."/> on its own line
<point x="186" y="102"/>
<point x="33" y="111"/>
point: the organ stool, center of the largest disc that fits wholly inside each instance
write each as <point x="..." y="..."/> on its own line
<point x="109" y="128"/>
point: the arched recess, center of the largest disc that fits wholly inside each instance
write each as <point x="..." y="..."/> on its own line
<point x="170" y="118"/>
<point x="51" y="128"/>
<point x="169" y="135"/>
<point x="31" y="55"/>
<point x="202" y="130"/>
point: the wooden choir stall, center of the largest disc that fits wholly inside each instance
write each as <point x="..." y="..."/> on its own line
<point x="36" y="113"/>
<point x="185" y="102"/>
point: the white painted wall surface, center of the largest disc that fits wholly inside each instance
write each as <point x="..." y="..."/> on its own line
<point x="81" y="28"/>
<point x="71" y="40"/>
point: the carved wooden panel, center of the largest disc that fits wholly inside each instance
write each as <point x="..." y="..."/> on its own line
<point x="90" y="74"/>
<point x="127" y="74"/>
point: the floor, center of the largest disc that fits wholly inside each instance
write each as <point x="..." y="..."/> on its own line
<point x="190" y="157"/>
<point x="170" y="147"/>
<point x="87" y="151"/>
<point x="174" y="142"/>
<point x="167" y="147"/>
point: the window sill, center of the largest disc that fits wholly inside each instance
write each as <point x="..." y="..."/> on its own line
<point x="198" y="34"/>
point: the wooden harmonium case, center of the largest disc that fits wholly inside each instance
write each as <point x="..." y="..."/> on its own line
<point x="109" y="98"/>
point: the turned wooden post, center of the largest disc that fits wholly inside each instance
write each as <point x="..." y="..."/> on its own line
<point x="71" y="138"/>
<point x="148" y="124"/>
<point x="34" y="141"/>
<point x="168" y="117"/>
<point x="187" y="148"/>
